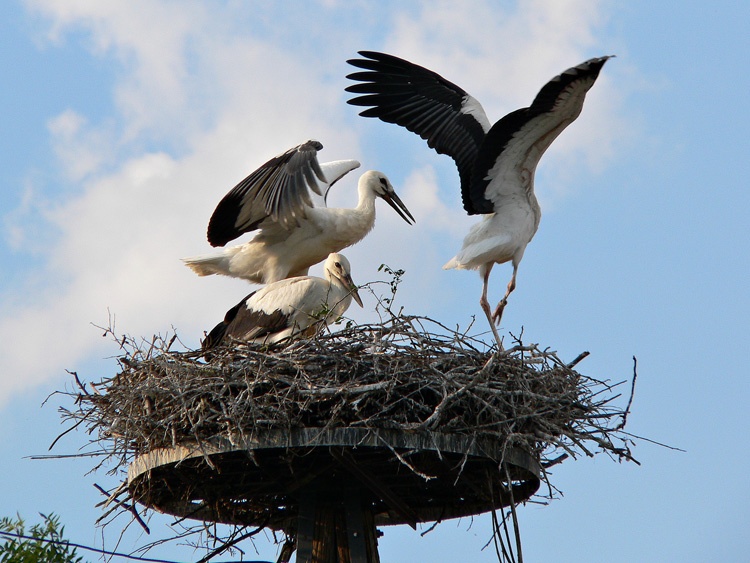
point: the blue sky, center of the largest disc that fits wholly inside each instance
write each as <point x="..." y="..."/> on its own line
<point x="124" y="124"/>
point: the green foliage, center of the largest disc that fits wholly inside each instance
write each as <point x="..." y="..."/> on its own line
<point x="396" y="276"/>
<point x="37" y="545"/>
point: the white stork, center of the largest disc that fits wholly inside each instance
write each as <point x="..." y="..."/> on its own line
<point x="293" y="233"/>
<point x="293" y="307"/>
<point x="496" y="164"/>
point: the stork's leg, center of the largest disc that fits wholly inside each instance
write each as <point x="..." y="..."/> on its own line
<point x="498" y="314"/>
<point x="485" y="305"/>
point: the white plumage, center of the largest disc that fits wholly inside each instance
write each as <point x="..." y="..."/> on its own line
<point x="496" y="164"/>
<point x="293" y="307"/>
<point x="293" y="232"/>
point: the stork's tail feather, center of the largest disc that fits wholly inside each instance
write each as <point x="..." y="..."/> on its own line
<point x="450" y="264"/>
<point x="454" y="264"/>
<point x="207" y="265"/>
<point x="215" y="337"/>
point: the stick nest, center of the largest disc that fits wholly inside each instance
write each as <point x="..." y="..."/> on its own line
<point x="407" y="374"/>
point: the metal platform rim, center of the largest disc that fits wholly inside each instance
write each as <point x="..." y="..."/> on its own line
<point x="486" y="447"/>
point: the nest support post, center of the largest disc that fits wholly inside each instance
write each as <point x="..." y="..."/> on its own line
<point x="334" y="525"/>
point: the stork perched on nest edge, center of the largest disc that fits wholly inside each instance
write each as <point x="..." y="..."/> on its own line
<point x="293" y="307"/>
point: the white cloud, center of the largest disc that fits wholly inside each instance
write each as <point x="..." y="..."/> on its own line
<point x="228" y="99"/>
<point x="80" y="148"/>
<point x="149" y="41"/>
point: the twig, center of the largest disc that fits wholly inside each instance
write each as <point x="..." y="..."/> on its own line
<point x="630" y="399"/>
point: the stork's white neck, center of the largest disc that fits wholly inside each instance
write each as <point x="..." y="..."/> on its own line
<point x="366" y="192"/>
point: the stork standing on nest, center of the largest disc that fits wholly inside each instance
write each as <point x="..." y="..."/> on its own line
<point x="293" y="307"/>
<point x="294" y="233"/>
<point x="496" y="164"/>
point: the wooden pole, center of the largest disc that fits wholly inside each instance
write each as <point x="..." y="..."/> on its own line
<point x="335" y="526"/>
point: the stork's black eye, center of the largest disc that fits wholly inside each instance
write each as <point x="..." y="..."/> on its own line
<point x="338" y="264"/>
<point x="383" y="182"/>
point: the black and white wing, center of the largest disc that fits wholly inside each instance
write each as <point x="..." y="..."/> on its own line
<point x="278" y="190"/>
<point x="514" y="145"/>
<point x="219" y="332"/>
<point x="448" y="118"/>
<point x="259" y="315"/>
<point x="333" y="172"/>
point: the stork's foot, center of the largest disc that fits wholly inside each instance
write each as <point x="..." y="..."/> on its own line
<point x="498" y="314"/>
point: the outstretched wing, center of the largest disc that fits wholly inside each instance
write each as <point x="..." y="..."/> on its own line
<point x="448" y="118"/>
<point x="333" y="171"/>
<point x="278" y="191"/>
<point x="514" y="145"/>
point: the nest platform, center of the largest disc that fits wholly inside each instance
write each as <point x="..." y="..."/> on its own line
<point x="401" y="478"/>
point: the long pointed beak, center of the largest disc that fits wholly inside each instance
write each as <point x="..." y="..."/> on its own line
<point x="395" y="202"/>
<point x="353" y="290"/>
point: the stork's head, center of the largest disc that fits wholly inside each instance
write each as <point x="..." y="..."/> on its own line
<point x="337" y="267"/>
<point x="378" y="184"/>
